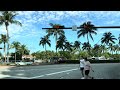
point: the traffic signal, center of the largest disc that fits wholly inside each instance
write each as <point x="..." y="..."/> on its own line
<point x="0" y="48"/>
<point x="59" y="27"/>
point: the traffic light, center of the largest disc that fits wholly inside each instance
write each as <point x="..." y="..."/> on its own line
<point x="59" y="27"/>
<point x="0" y="48"/>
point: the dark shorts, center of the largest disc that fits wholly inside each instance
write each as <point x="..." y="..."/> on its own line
<point x="87" y="72"/>
<point x="82" y="68"/>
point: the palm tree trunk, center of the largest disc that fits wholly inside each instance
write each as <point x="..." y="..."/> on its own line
<point x="87" y="38"/>
<point x="15" y="55"/>
<point x="56" y="43"/>
<point x="5" y="52"/>
<point x="7" y="44"/>
<point x="45" y="51"/>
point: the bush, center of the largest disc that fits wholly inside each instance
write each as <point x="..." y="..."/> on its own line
<point x="91" y="61"/>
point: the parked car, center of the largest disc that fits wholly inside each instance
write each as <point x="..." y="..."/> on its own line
<point x="23" y="63"/>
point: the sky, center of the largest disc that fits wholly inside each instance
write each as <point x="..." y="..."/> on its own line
<point x="33" y="22"/>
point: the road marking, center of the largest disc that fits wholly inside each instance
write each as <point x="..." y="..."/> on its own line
<point x="53" y="73"/>
<point x="37" y="77"/>
<point x="19" y="77"/>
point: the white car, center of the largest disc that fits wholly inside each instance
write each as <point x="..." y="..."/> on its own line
<point x="23" y="63"/>
<point x="20" y="63"/>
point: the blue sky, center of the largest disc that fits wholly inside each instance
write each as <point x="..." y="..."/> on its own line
<point x="33" y="22"/>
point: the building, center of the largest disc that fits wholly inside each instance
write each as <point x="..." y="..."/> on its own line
<point x="29" y="57"/>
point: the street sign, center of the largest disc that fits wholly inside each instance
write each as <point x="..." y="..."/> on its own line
<point x="74" y="28"/>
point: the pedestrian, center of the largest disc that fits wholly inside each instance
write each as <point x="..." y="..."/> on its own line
<point x="82" y="63"/>
<point x="87" y="68"/>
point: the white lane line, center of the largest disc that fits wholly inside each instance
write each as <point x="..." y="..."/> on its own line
<point x="19" y="77"/>
<point x="37" y="77"/>
<point x="54" y="73"/>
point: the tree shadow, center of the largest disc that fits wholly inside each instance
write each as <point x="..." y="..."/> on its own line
<point x="15" y="72"/>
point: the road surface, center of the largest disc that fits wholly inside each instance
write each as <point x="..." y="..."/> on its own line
<point x="60" y="71"/>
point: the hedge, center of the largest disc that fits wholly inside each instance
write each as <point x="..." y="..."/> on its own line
<point x="91" y="61"/>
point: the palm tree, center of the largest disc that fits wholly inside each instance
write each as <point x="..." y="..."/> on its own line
<point x="96" y="48"/>
<point x="103" y="48"/>
<point x="4" y="40"/>
<point x="23" y="50"/>
<point x="68" y="46"/>
<point x="15" y="45"/>
<point x="77" y="46"/>
<point x="88" y="29"/>
<point x="116" y="47"/>
<point x="86" y="46"/>
<point x="7" y="18"/>
<point x="56" y="32"/>
<point x="61" y="42"/>
<point x="45" y="40"/>
<point x="108" y="38"/>
<point x="111" y="47"/>
<point x="119" y="40"/>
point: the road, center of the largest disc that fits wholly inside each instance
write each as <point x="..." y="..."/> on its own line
<point x="60" y="71"/>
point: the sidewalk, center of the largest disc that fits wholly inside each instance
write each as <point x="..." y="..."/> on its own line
<point x="5" y="67"/>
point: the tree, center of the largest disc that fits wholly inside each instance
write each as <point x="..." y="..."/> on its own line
<point x="116" y="47"/>
<point x="61" y="42"/>
<point x="56" y="32"/>
<point x="4" y="40"/>
<point x="96" y="49"/>
<point x="111" y="47"/>
<point x="86" y="46"/>
<point x="8" y="17"/>
<point x="119" y="40"/>
<point x="15" y="45"/>
<point x="103" y="48"/>
<point x="108" y="38"/>
<point x="45" y="40"/>
<point x="23" y="50"/>
<point x="77" y="46"/>
<point x="88" y="29"/>
<point x="68" y="46"/>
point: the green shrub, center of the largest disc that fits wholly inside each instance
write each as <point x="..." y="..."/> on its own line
<point x="91" y="61"/>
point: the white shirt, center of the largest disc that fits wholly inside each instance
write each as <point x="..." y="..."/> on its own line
<point x="87" y="65"/>
<point x="82" y="63"/>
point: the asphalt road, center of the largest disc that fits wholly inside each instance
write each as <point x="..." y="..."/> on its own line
<point x="60" y="71"/>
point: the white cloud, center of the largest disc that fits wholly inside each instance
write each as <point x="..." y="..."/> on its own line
<point x="30" y="19"/>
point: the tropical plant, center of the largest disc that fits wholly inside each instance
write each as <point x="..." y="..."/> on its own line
<point x="56" y="32"/>
<point x="15" y="45"/>
<point x="119" y="40"/>
<point x="116" y="47"/>
<point x="77" y="46"/>
<point x="87" y="29"/>
<point x="45" y="40"/>
<point x="86" y="46"/>
<point x="108" y="38"/>
<point x="23" y="50"/>
<point x="103" y="48"/>
<point x="61" y="42"/>
<point x="68" y="46"/>
<point x="8" y="17"/>
<point x="4" y="40"/>
<point x="96" y="50"/>
<point x="111" y="47"/>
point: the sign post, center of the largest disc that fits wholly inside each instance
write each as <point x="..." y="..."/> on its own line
<point x="74" y="28"/>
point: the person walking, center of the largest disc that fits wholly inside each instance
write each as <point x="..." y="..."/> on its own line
<point x="87" y="68"/>
<point x="82" y="63"/>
